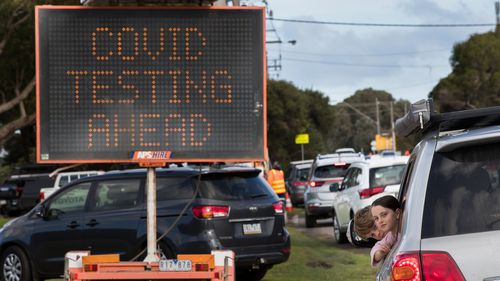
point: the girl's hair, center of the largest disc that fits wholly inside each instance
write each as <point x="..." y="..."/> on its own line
<point x="388" y="201"/>
<point x="364" y="222"/>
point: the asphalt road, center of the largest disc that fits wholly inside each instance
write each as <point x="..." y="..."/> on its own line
<point x="323" y="231"/>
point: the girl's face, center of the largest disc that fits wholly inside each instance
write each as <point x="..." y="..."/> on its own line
<point x="385" y="219"/>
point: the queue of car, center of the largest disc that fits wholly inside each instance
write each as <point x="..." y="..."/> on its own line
<point x="198" y="210"/>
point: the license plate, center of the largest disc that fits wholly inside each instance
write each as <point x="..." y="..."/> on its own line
<point x="175" y="265"/>
<point x="252" y="228"/>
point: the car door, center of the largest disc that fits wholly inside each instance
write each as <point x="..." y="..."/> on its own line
<point x="113" y="217"/>
<point x="60" y="230"/>
<point x="341" y="209"/>
<point x="349" y="194"/>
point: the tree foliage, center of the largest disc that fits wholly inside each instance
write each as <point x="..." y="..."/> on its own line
<point x="475" y="79"/>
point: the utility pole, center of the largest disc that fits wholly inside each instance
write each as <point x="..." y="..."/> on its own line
<point x="392" y="128"/>
<point x="378" y="117"/>
<point x="497" y="11"/>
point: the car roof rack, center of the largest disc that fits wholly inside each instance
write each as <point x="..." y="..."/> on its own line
<point x="422" y="118"/>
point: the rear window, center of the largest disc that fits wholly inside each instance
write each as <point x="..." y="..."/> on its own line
<point x="331" y="171"/>
<point x="234" y="187"/>
<point x="384" y="176"/>
<point x="302" y="174"/>
<point x="463" y="192"/>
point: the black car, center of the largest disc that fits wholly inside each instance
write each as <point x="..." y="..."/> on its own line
<point x="229" y="208"/>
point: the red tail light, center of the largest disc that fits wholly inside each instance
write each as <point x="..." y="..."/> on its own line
<point x="42" y="196"/>
<point x="278" y="208"/>
<point x="19" y="191"/>
<point x="210" y="212"/>
<point x="296" y="183"/>
<point x="436" y="266"/>
<point x="369" y="192"/>
<point x="316" y="183"/>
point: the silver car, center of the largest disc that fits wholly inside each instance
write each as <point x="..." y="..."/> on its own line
<point x="325" y="170"/>
<point x="450" y="196"/>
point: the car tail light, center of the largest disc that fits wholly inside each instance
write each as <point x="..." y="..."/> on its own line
<point x="297" y="183"/>
<point x="278" y="208"/>
<point x="339" y="164"/>
<point x="428" y="266"/>
<point x="369" y="192"/>
<point x="210" y="212"/>
<point x="42" y="196"/>
<point x="316" y="183"/>
<point x="19" y="191"/>
<point x="201" y="267"/>
<point x="440" y="266"/>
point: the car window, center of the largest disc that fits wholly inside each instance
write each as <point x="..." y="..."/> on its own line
<point x="302" y="174"/>
<point x="116" y="194"/>
<point x="233" y="187"/>
<point x="384" y="176"/>
<point x="463" y="193"/>
<point x="331" y="171"/>
<point x="63" y="181"/>
<point x="405" y="181"/>
<point x="174" y="188"/>
<point x="357" y="177"/>
<point x="72" y="199"/>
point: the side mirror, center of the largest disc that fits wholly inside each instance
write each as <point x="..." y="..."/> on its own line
<point x="40" y="211"/>
<point x="334" y="187"/>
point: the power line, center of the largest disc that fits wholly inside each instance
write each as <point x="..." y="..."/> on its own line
<point x="363" y="55"/>
<point x="365" y="65"/>
<point x="381" y="24"/>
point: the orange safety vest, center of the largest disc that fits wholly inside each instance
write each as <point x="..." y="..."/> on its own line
<point x="276" y="179"/>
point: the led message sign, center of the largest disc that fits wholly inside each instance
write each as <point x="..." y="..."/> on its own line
<point x="132" y="84"/>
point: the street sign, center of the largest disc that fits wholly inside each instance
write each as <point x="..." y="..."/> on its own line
<point x="302" y="139"/>
<point x="121" y="84"/>
<point x="383" y="142"/>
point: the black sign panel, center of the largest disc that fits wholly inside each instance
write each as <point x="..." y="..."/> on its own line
<point x="128" y="85"/>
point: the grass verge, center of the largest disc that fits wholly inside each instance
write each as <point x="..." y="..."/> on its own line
<point x="313" y="259"/>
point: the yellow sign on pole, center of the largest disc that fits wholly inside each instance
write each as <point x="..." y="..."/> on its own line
<point x="302" y="139"/>
<point x="383" y="142"/>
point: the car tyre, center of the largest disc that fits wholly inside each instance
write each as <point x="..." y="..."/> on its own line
<point x="310" y="221"/>
<point x="340" y="236"/>
<point x="251" y="274"/>
<point x="15" y="265"/>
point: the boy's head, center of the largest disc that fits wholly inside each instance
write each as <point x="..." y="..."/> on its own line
<point x="364" y="224"/>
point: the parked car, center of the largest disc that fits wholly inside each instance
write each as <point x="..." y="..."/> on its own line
<point x="62" y="179"/>
<point x="450" y="195"/>
<point x="325" y="170"/>
<point x="229" y="208"/>
<point x="296" y="180"/>
<point x="364" y="182"/>
<point x="20" y="193"/>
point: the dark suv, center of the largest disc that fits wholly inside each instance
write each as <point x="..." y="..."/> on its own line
<point x="232" y="208"/>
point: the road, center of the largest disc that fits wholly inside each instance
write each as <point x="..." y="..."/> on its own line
<point x="323" y="230"/>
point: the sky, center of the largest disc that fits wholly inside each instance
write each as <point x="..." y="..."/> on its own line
<point x="337" y="60"/>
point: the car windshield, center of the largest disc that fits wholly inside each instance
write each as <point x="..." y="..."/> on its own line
<point x="331" y="171"/>
<point x="384" y="176"/>
<point x="463" y="192"/>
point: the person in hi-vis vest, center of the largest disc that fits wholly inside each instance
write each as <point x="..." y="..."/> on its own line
<point x="276" y="178"/>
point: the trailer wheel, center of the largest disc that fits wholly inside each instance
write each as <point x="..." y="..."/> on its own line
<point x="15" y="265"/>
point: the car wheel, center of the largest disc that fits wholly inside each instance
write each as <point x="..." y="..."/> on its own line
<point x="15" y="265"/>
<point x="310" y="221"/>
<point x="340" y="236"/>
<point x="251" y="274"/>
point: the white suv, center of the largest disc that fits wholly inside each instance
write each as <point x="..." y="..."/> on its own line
<point x="364" y="182"/>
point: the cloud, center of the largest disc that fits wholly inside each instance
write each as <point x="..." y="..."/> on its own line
<point x="330" y="58"/>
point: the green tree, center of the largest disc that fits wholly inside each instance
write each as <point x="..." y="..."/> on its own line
<point x="475" y="79"/>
